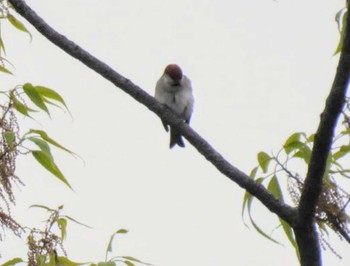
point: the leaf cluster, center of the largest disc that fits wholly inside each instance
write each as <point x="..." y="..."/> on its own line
<point x="7" y="14"/>
<point x="286" y="169"/>
<point x="114" y="261"/>
<point x="45" y="246"/>
<point x="36" y="142"/>
<point x="42" y="97"/>
<point x="340" y="18"/>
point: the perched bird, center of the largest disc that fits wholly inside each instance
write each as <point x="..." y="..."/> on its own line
<point x="175" y="91"/>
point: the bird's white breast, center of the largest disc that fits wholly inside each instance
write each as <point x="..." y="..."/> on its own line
<point x="179" y="98"/>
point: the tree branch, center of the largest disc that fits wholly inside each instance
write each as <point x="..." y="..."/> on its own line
<point x="283" y="210"/>
<point x="305" y="230"/>
<point x="325" y="133"/>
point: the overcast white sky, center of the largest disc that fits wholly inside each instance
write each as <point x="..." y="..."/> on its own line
<point x="260" y="71"/>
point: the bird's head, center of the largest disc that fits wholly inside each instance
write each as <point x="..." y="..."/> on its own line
<point x="174" y="72"/>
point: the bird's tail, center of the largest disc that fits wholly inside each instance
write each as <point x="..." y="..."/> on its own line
<point x="176" y="138"/>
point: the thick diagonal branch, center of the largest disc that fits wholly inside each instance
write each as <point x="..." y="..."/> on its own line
<point x="279" y="208"/>
<point x="305" y="229"/>
<point x="325" y="133"/>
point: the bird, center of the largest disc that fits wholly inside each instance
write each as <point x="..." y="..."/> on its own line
<point x="174" y="90"/>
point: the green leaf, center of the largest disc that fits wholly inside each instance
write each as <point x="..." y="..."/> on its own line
<point x="62" y="225"/>
<point x="248" y="202"/>
<point x="120" y="231"/>
<point x="35" y="97"/>
<point x="46" y="137"/>
<point x="256" y="227"/>
<point x="345" y="173"/>
<point x="63" y="261"/>
<point x="261" y="232"/>
<point x="345" y="131"/>
<point x="328" y="166"/>
<point x="49" y="93"/>
<point x="73" y="220"/>
<point x="52" y="259"/>
<point x="17" y="24"/>
<point x="131" y="258"/>
<point x="253" y="173"/>
<point x="129" y="263"/>
<point x="106" y="263"/>
<point x="311" y="138"/>
<point x="264" y="160"/>
<point x="289" y="233"/>
<point x="2" y="46"/>
<point x="248" y="197"/>
<point x="343" y="150"/>
<point x="12" y="262"/>
<point x="295" y="137"/>
<point x="42" y="207"/>
<point x="135" y="260"/>
<point x="42" y="145"/>
<point x="9" y="136"/>
<point x="5" y="70"/>
<point x="40" y="260"/>
<point x="47" y="162"/>
<point x="300" y="149"/>
<point x="275" y="188"/>
<point x="19" y="106"/>
<point x="342" y="27"/>
<point x="303" y="153"/>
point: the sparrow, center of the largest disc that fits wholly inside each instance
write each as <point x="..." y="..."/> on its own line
<point x="174" y="90"/>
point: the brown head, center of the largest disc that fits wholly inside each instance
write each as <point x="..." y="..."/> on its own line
<point x="173" y="71"/>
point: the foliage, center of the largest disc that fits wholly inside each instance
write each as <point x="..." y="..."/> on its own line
<point x="286" y="168"/>
<point x="340" y="18"/>
<point x="289" y="166"/>
<point x="6" y="14"/>
<point x="128" y="260"/>
<point x="12" y="144"/>
<point x="45" y="246"/>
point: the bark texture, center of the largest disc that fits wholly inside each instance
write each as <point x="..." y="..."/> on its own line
<point x="305" y="231"/>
